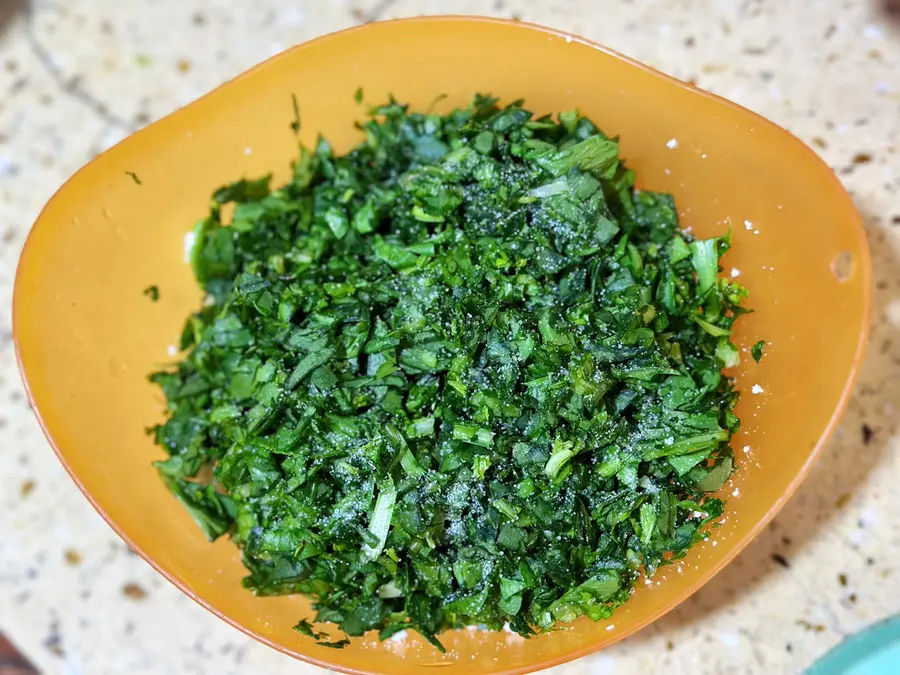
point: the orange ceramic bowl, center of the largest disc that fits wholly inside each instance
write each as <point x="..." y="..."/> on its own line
<point x="87" y="337"/>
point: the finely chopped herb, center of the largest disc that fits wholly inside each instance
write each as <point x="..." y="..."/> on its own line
<point x="465" y="374"/>
<point x="757" y="350"/>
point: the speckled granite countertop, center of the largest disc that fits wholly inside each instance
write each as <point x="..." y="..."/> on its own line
<point x="76" y="76"/>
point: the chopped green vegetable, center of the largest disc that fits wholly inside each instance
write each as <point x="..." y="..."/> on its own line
<point x="134" y="177"/>
<point x="464" y="374"/>
<point x="757" y="350"/>
<point x="295" y="125"/>
<point x="152" y="292"/>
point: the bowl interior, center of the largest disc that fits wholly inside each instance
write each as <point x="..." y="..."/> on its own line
<point x="87" y="336"/>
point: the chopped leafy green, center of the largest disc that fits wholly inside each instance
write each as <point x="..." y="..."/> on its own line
<point x="134" y="177"/>
<point x="757" y="350"/>
<point x="295" y="124"/>
<point x="463" y="374"/>
<point x="152" y="292"/>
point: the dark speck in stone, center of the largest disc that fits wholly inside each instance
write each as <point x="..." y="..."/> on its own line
<point x="862" y="158"/>
<point x="751" y="8"/>
<point x="766" y="75"/>
<point x="142" y="119"/>
<point x="11" y="66"/>
<point x="26" y="488"/>
<point x="689" y="41"/>
<point x="831" y="30"/>
<point x="870" y="561"/>
<point x="53" y="641"/>
<point x="842" y="579"/>
<point x="867" y="434"/>
<point x="788" y="648"/>
<point x="852" y="598"/>
<point x="895" y="220"/>
<point x="781" y="560"/>
<point x="198" y="20"/>
<point x="670" y="645"/>
<point x="18" y="85"/>
<point x="133" y="591"/>
<point x="787" y="541"/>
<point x="31" y="573"/>
<point x="498" y="5"/>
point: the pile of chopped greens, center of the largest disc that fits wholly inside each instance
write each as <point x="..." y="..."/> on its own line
<point x="465" y="374"/>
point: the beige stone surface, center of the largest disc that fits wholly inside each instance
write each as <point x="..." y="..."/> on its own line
<point x="77" y="75"/>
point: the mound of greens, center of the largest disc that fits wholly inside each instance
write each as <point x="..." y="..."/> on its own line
<point x="464" y="374"/>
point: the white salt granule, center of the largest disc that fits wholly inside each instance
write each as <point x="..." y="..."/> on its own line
<point x="756" y="389"/>
<point x="672" y="143"/>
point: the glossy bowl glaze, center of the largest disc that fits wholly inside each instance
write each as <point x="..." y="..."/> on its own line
<point x="87" y="336"/>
